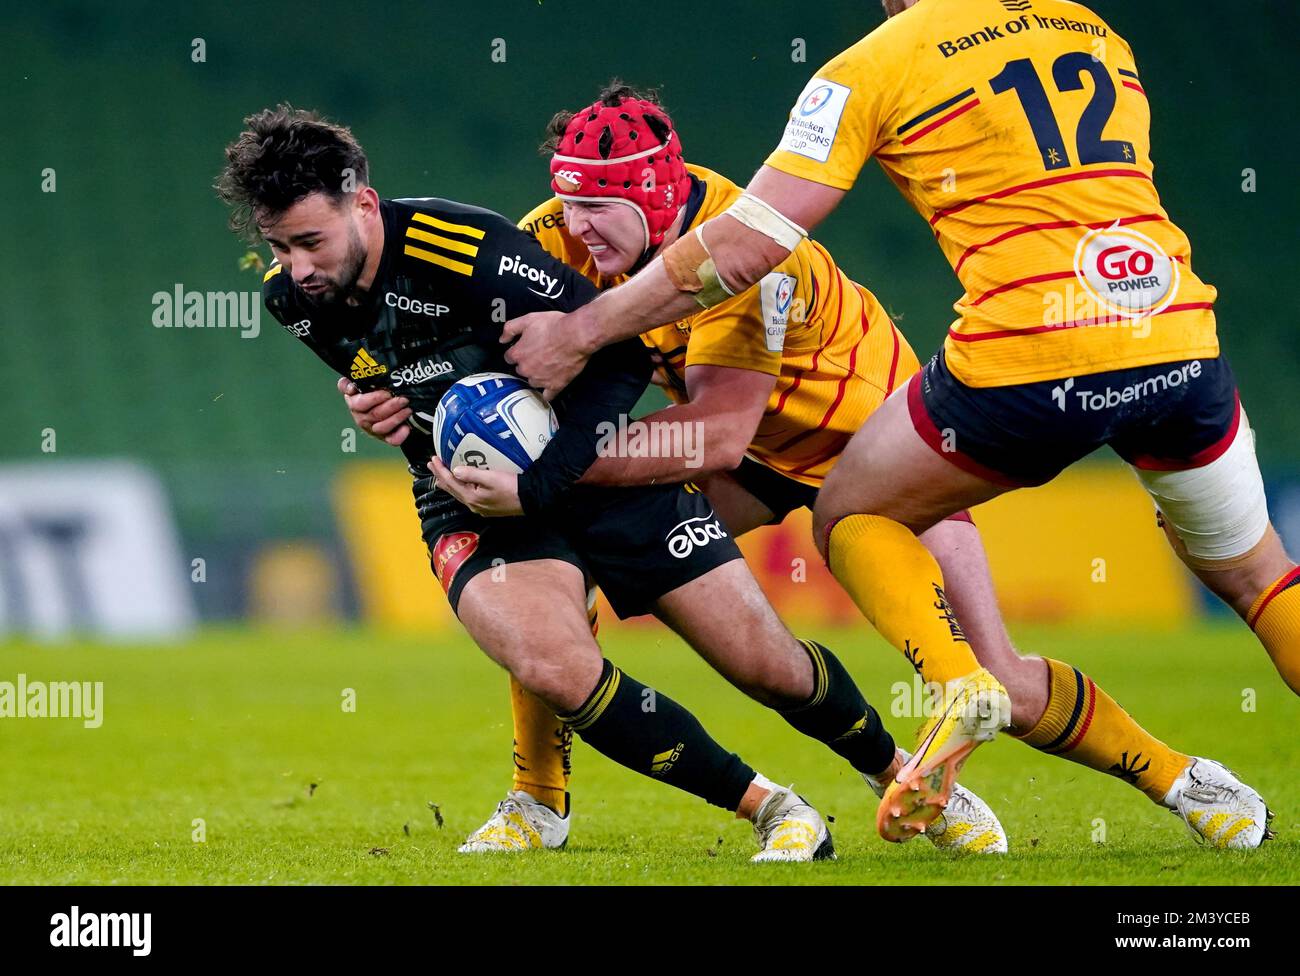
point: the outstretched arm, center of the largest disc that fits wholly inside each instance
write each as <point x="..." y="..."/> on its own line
<point x="550" y="348"/>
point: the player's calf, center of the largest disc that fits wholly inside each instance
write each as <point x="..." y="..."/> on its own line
<point x="1215" y="516"/>
<point x="800" y="679"/>
<point x="553" y="654"/>
<point x="645" y="730"/>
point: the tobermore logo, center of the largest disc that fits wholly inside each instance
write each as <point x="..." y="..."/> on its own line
<point x="1126" y="271"/>
<point x="550" y="285"/>
<point x="364" y="365"/>
<point x="425" y="369"/>
<point x="1094" y="400"/>
<point x="1059" y="392"/>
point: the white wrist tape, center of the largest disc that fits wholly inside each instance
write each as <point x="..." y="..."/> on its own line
<point x="767" y="220"/>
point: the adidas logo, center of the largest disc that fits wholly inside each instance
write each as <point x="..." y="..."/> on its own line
<point x="364" y="365"/>
<point x="663" y="761"/>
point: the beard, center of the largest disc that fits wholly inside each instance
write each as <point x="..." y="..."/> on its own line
<point x="343" y="286"/>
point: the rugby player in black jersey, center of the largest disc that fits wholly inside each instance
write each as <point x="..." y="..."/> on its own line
<point x="412" y="293"/>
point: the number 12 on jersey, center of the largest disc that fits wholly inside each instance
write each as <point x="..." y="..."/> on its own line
<point x="1068" y="70"/>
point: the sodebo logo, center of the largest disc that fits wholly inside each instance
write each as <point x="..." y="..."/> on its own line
<point x="425" y="369"/>
<point x="698" y="531"/>
<point x="404" y="303"/>
<point x="1126" y="271"/>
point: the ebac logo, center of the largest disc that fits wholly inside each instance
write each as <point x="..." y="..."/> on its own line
<point x="450" y="553"/>
<point x="694" y="533"/>
<point x="1126" y="271"/>
<point x="815" y="100"/>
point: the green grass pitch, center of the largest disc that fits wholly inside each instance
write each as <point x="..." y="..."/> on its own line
<point x="234" y="729"/>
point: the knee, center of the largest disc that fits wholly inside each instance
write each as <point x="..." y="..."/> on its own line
<point x="1013" y="669"/>
<point x="825" y="514"/>
<point x="561" y="681"/>
<point x="779" y="681"/>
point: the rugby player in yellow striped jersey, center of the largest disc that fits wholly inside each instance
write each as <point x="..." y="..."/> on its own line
<point x="1022" y="138"/>
<point x="777" y="378"/>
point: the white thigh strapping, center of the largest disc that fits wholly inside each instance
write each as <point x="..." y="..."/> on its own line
<point x="1218" y="510"/>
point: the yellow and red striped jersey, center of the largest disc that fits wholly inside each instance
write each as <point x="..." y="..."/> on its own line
<point x="832" y="346"/>
<point x="1021" y="131"/>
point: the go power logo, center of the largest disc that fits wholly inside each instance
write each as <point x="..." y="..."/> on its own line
<point x="1128" y="273"/>
<point x="694" y="533"/>
<point x="551" y="286"/>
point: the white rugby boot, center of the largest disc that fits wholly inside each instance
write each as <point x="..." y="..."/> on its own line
<point x="520" y="823"/>
<point x="1220" y="809"/>
<point x="976" y="708"/>
<point x="787" y="828"/>
<point x="967" y="824"/>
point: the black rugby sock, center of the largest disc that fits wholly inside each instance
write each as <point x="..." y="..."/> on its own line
<point x="838" y="715"/>
<point x="651" y="734"/>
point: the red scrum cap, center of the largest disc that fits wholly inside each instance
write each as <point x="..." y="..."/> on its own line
<point x="628" y="153"/>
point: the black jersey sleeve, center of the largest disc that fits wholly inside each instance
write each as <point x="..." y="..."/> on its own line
<point x="526" y="278"/>
<point x="606" y="389"/>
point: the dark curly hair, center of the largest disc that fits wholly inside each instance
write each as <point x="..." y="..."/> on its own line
<point x="283" y="155"/>
<point x="611" y="96"/>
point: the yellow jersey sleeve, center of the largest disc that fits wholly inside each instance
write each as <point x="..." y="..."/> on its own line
<point x="836" y="123"/>
<point x="749" y="330"/>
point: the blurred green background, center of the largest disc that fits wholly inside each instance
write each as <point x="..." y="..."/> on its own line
<point x="111" y="99"/>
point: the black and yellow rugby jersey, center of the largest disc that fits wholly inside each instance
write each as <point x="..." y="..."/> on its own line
<point x="449" y="278"/>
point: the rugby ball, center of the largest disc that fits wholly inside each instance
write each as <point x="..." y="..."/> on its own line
<point x="494" y="421"/>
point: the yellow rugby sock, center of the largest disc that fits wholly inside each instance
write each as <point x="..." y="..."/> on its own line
<point x="898" y="586"/>
<point x="1275" y="619"/>
<point x="543" y="746"/>
<point x="1085" y="725"/>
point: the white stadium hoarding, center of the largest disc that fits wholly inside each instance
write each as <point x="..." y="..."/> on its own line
<point x="89" y="548"/>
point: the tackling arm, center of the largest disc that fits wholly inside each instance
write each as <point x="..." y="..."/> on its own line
<point x="709" y="433"/>
<point x="741" y="245"/>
